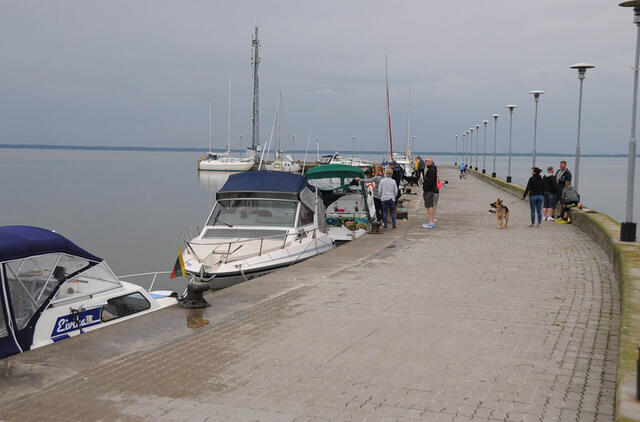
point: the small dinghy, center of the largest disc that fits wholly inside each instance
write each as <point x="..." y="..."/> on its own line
<point x="261" y="221"/>
<point x="350" y="209"/>
<point x="51" y="289"/>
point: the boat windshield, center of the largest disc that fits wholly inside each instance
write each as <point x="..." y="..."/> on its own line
<point x="253" y="212"/>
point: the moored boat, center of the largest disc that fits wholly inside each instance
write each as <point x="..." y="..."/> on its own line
<point x="51" y="289"/>
<point x="261" y="221"/>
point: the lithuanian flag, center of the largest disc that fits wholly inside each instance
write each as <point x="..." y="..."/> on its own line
<point x="178" y="267"/>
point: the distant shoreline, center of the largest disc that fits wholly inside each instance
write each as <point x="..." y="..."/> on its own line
<point x="201" y="150"/>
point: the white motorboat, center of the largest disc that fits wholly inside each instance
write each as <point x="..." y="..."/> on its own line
<point x="353" y="161"/>
<point x="350" y="209"/>
<point x="51" y="289"/>
<point x="261" y="221"/>
<point x="284" y="163"/>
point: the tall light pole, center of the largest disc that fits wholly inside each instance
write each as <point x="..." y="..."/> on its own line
<point x="477" y="144"/>
<point x="510" y="107"/>
<point x="628" y="228"/>
<point x="470" y="163"/>
<point x="536" y="96"/>
<point x="582" y="69"/>
<point x="455" y="161"/>
<point x="353" y="149"/>
<point x="495" y="137"/>
<point x="484" y="148"/>
<point x="464" y="139"/>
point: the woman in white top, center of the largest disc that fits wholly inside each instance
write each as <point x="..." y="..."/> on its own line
<point x="388" y="191"/>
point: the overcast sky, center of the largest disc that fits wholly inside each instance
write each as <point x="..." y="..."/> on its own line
<point x="140" y="73"/>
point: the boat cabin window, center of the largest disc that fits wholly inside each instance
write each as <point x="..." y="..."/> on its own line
<point x="32" y="280"/>
<point x="253" y="212"/>
<point x="122" y="306"/>
<point x="306" y="215"/>
<point x="96" y="279"/>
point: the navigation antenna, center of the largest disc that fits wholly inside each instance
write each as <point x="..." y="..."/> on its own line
<point x="255" y="118"/>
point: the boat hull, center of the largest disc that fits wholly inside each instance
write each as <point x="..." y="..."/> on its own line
<point x="215" y="165"/>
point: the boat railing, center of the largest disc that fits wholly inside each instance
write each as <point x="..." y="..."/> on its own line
<point x="153" y="276"/>
<point x="231" y="247"/>
<point x="190" y="233"/>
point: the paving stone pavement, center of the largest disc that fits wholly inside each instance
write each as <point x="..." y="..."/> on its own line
<point x="461" y="323"/>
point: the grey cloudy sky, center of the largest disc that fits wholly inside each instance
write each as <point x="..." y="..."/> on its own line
<point x="140" y="72"/>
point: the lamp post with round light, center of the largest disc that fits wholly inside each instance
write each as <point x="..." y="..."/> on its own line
<point x="471" y="149"/>
<point x="464" y="140"/>
<point x="484" y="148"/>
<point x="455" y="161"/>
<point x="477" y="144"/>
<point x="495" y="137"/>
<point x="536" y="96"/>
<point x="510" y="107"/>
<point x="582" y="69"/>
<point x="628" y="228"/>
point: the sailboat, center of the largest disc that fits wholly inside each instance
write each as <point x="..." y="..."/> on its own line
<point x="405" y="159"/>
<point x="281" y="161"/>
<point x="223" y="161"/>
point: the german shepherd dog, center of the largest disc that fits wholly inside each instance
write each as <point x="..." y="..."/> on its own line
<point x="502" y="213"/>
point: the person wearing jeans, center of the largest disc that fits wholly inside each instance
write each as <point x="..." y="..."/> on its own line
<point x="535" y="189"/>
<point x="388" y="190"/>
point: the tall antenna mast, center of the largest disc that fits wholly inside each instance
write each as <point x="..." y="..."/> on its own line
<point x="255" y="119"/>
<point x="229" y="118"/>
<point x="386" y="73"/>
<point x="408" y="122"/>
<point x="209" y="125"/>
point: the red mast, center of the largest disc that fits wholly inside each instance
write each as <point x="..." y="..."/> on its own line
<point x="386" y="72"/>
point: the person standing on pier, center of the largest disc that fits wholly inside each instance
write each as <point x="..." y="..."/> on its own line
<point x="535" y="189"/>
<point x="550" y="195"/>
<point x="388" y="193"/>
<point x="563" y="175"/>
<point x="420" y="169"/>
<point x="430" y="192"/>
<point x="376" y="179"/>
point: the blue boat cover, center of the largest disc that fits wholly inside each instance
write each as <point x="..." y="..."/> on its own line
<point x="17" y="242"/>
<point x="264" y="181"/>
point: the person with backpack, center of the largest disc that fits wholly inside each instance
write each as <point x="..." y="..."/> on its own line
<point x="550" y="195"/>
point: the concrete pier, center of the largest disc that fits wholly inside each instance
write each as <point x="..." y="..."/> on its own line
<point x="461" y="323"/>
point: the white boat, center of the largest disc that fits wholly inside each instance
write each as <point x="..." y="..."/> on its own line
<point x="284" y="162"/>
<point x="261" y="221"/>
<point x="212" y="161"/>
<point x="405" y="161"/>
<point x="51" y="289"/>
<point x="353" y="161"/>
<point x="350" y="209"/>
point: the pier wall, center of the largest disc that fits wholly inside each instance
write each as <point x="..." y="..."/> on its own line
<point x="625" y="257"/>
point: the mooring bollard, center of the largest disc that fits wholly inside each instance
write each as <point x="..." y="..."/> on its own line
<point x="194" y="299"/>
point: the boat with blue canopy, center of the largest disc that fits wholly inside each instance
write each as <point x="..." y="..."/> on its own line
<point x="51" y="289"/>
<point x="261" y="221"/>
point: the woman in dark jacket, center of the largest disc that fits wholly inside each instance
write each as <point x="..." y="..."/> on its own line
<point x="550" y="195"/>
<point x="535" y="189"/>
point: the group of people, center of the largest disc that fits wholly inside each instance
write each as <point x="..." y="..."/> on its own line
<point x="387" y="190"/>
<point x="546" y="193"/>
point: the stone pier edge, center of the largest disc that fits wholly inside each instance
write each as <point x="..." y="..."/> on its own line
<point x="625" y="257"/>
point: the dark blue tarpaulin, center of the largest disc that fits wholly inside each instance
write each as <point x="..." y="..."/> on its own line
<point x="17" y="242"/>
<point x="264" y="181"/>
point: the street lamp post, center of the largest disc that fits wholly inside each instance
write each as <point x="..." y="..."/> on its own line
<point x="582" y="69"/>
<point x="495" y="137"/>
<point x="477" y="144"/>
<point x="293" y="147"/>
<point x="510" y="107"/>
<point x="536" y="96"/>
<point x="484" y="148"/>
<point x="628" y="228"/>
<point x="353" y="149"/>
<point x="470" y="163"/>
<point x="455" y="161"/>
<point x="464" y="147"/>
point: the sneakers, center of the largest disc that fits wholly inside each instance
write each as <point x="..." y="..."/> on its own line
<point x="428" y="226"/>
<point x="551" y="219"/>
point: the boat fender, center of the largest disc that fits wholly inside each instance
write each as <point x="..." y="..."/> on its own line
<point x="194" y="299"/>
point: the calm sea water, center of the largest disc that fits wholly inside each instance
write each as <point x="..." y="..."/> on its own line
<point x="132" y="208"/>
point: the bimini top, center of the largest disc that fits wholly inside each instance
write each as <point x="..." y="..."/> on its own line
<point x="17" y="242"/>
<point x="264" y="181"/>
<point x="342" y="171"/>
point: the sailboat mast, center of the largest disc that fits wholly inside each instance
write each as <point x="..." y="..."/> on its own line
<point x="209" y="125"/>
<point x="255" y="130"/>
<point x="386" y="73"/>
<point x="229" y="118"/>
<point x="408" y="122"/>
